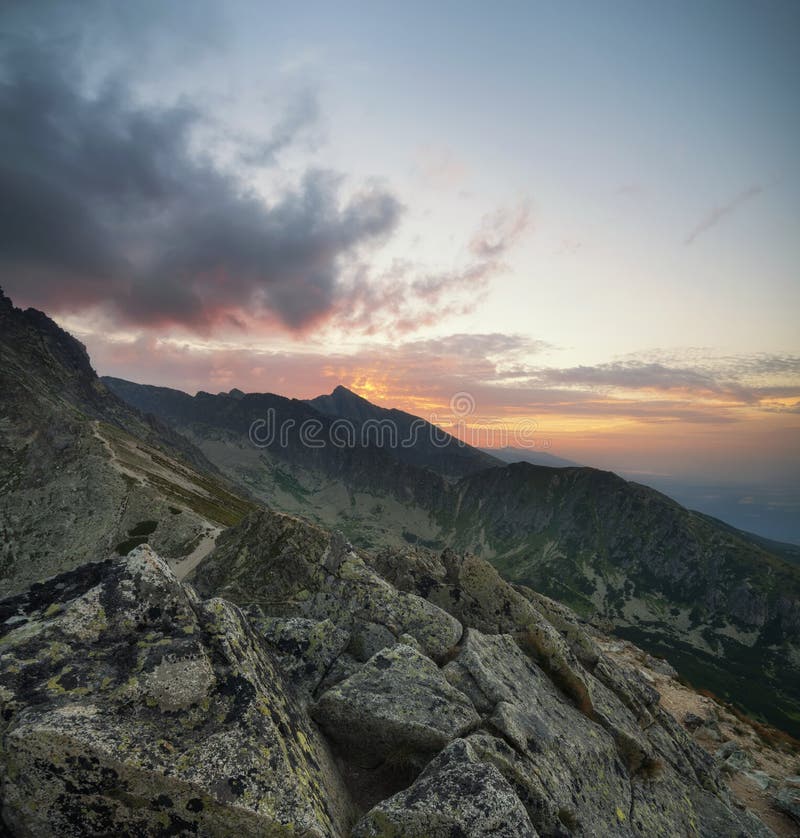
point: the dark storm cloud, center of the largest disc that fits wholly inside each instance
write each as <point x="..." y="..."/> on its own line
<point x="105" y="204"/>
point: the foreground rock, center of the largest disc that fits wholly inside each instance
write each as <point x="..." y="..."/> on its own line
<point x="457" y="794"/>
<point x="325" y="702"/>
<point x="398" y="703"/>
<point x="130" y="707"/>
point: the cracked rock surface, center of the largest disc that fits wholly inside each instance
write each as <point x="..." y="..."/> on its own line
<point x="299" y="688"/>
<point x="399" y="701"/>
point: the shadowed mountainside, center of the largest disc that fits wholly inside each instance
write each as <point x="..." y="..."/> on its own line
<point x="419" y="443"/>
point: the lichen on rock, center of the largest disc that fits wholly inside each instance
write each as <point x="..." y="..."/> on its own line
<point x="172" y="719"/>
<point x="456" y="795"/>
<point x="324" y="693"/>
<point x="399" y="700"/>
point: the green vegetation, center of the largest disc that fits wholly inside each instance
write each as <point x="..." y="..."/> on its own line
<point x="289" y="484"/>
<point x="144" y="528"/>
<point x="729" y="676"/>
<point x="125" y="547"/>
<point x="137" y="535"/>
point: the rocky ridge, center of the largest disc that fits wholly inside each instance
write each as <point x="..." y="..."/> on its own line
<point x="297" y="687"/>
<point x="722" y="604"/>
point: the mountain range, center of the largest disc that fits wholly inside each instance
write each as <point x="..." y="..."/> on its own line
<point x="93" y="465"/>
<point x="719" y="602"/>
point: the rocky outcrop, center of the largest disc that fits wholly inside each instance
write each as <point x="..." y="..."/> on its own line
<point x="130" y="707"/>
<point x="398" y="703"/>
<point x="523" y="689"/>
<point x="457" y="794"/>
<point x="291" y="568"/>
<point x="309" y="695"/>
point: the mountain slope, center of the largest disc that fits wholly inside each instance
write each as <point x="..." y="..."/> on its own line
<point x="295" y="461"/>
<point x="533" y="456"/>
<point x="788" y="552"/>
<point x="726" y="611"/>
<point x="720" y="603"/>
<point x="84" y="473"/>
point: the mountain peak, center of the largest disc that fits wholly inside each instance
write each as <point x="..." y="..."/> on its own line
<point x="39" y="344"/>
<point x="344" y="392"/>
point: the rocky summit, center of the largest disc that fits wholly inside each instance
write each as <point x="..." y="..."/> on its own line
<point x="296" y="687"/>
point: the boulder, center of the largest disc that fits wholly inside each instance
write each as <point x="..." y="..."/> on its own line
<point x="787" y="800"/>
<point x="131" y="707"/>
<point x="305" y="649"/>
<point x="692" y="721"/>
<point x="759" y="778"/>
<point x="456" y="795"/>
<point x="663" y="667"/>
<point x="398" y="706"/>
<point x="733" y="758"/>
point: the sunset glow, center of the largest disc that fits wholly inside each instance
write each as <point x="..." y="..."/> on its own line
<point x="594" y="233"/>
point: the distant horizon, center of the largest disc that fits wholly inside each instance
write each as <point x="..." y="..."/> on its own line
<point x="744" y="506"/>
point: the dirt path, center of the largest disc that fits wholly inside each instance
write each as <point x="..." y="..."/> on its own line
<point x="183" y="567"/>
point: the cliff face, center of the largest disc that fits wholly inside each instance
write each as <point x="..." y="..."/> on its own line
<point x="328" y="693"/>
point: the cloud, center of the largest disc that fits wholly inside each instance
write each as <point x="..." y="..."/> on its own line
<point x="408" y="297"/>
<point x="650" y="376"/>
<point x="105" y="204"/>
<point x="718" y="213"/>
<point x="630" y="375"/>
<point x="499" y="231"/>
<point x="764" y="364"/>
<point x="499" y="370"/>
<point x="302" y="114"/>
<point x="108" y="205"/>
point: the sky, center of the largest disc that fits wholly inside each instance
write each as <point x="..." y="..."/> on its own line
<point x="579" y="219"/>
